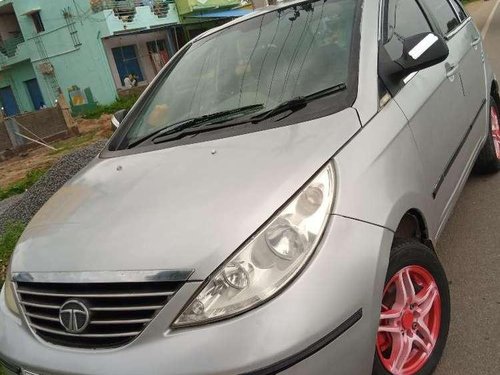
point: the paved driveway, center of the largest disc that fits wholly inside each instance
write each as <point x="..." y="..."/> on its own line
<point x="470" y="252"/>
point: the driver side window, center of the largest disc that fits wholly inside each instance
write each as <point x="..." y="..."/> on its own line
<point x="402" y="19"/>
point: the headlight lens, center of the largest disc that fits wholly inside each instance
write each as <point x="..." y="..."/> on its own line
<point x="271" y="258"/>
<point x="10" y="299"/>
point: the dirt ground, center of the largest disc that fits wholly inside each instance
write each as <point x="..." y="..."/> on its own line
<point x="91" y="131"/>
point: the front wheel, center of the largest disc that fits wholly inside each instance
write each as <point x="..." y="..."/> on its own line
<point x="415" y="312"/>
<point x="488" y="160"/>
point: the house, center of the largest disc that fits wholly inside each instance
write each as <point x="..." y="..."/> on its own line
<point x="82" y="48"/>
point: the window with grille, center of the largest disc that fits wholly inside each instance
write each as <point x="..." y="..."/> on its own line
<point x="37" y="21"/>
<point x="73" y="32"/>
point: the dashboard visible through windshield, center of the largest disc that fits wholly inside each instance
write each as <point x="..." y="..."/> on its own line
<point x="254" y="65"/>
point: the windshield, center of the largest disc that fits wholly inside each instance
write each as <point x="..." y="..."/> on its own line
<point x="261" y="62"/>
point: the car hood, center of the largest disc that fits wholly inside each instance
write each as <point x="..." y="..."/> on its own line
<point x="186" y="207"/>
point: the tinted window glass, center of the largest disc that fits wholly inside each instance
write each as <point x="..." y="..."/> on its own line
<point x="444" y="14"/>
<point x="459" y="10"/>
<point x="403" y="18"/>
<point x="264" y="61"/>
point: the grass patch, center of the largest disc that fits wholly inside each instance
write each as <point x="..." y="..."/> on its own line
<point x="8" y="241"/>
<point x="121" y="103"/>
<point x="72" y="143"/>
<point x="20" y="186"/>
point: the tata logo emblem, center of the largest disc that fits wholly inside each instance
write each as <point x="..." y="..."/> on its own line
<point x="74" y="316"/>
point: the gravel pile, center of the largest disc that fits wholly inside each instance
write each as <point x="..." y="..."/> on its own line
<point x="24" y="208"/>
<point x="9" y="202"/>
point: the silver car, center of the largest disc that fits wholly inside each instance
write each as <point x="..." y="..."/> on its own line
<point x="271" y="204"/>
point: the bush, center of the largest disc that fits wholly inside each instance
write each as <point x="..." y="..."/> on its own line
<point x="21" y="186"/>
<point x="121" y="103"/>
<point x="8" y="241"/>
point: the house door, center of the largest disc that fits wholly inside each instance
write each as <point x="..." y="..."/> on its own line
<point x="158" y="54"/>
<point x="8" y="100"/>
<point x="127" y="63"/>
<point x="35" y="94"/>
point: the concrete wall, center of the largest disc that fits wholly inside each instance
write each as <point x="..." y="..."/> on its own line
<point x="81" y="65"/>
<point x="47" y="124"/>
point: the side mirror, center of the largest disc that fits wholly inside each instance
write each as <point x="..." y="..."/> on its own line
<point x="422" y="51"/>
<point x="118" y="117"/>
<point x="419" y="52"/>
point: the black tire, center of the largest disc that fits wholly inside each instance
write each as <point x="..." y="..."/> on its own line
<point x="411" y="252"/>
<point x="487" y="161"/>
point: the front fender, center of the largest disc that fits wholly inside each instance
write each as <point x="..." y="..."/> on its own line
<point x="380" y="174"/>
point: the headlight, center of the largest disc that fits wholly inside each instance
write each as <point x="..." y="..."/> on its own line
<point x="10" y="299"/>
<point x="269" y="260"/>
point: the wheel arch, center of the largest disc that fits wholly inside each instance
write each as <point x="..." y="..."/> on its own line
<point x="495" y="91"/>
<point x="413" y="225"/>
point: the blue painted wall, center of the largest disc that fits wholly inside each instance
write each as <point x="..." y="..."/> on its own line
<point x="76" y="52"/>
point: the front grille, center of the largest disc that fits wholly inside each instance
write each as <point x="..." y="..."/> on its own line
<point x="119" y="311"/>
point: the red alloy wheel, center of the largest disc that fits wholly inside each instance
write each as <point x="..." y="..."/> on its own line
<point x="495" y="130"/>
<point x="409" y="322"/>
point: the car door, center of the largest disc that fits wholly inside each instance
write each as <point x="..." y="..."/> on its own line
<point x="433" y="98"/>
<point x="464" y="44"/>
<point x="473" y="73"/>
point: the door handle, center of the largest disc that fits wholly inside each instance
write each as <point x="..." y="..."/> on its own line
<point x="476" y="41"/>
<point x="451" y="70"/>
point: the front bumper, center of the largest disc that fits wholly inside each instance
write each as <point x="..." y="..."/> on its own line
<point x="325" y="322"/>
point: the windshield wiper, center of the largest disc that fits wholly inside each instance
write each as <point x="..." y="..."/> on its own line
<point x="289" y="105"/>
<point x="180" y="126"/>
<point x="298" y="102"/>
